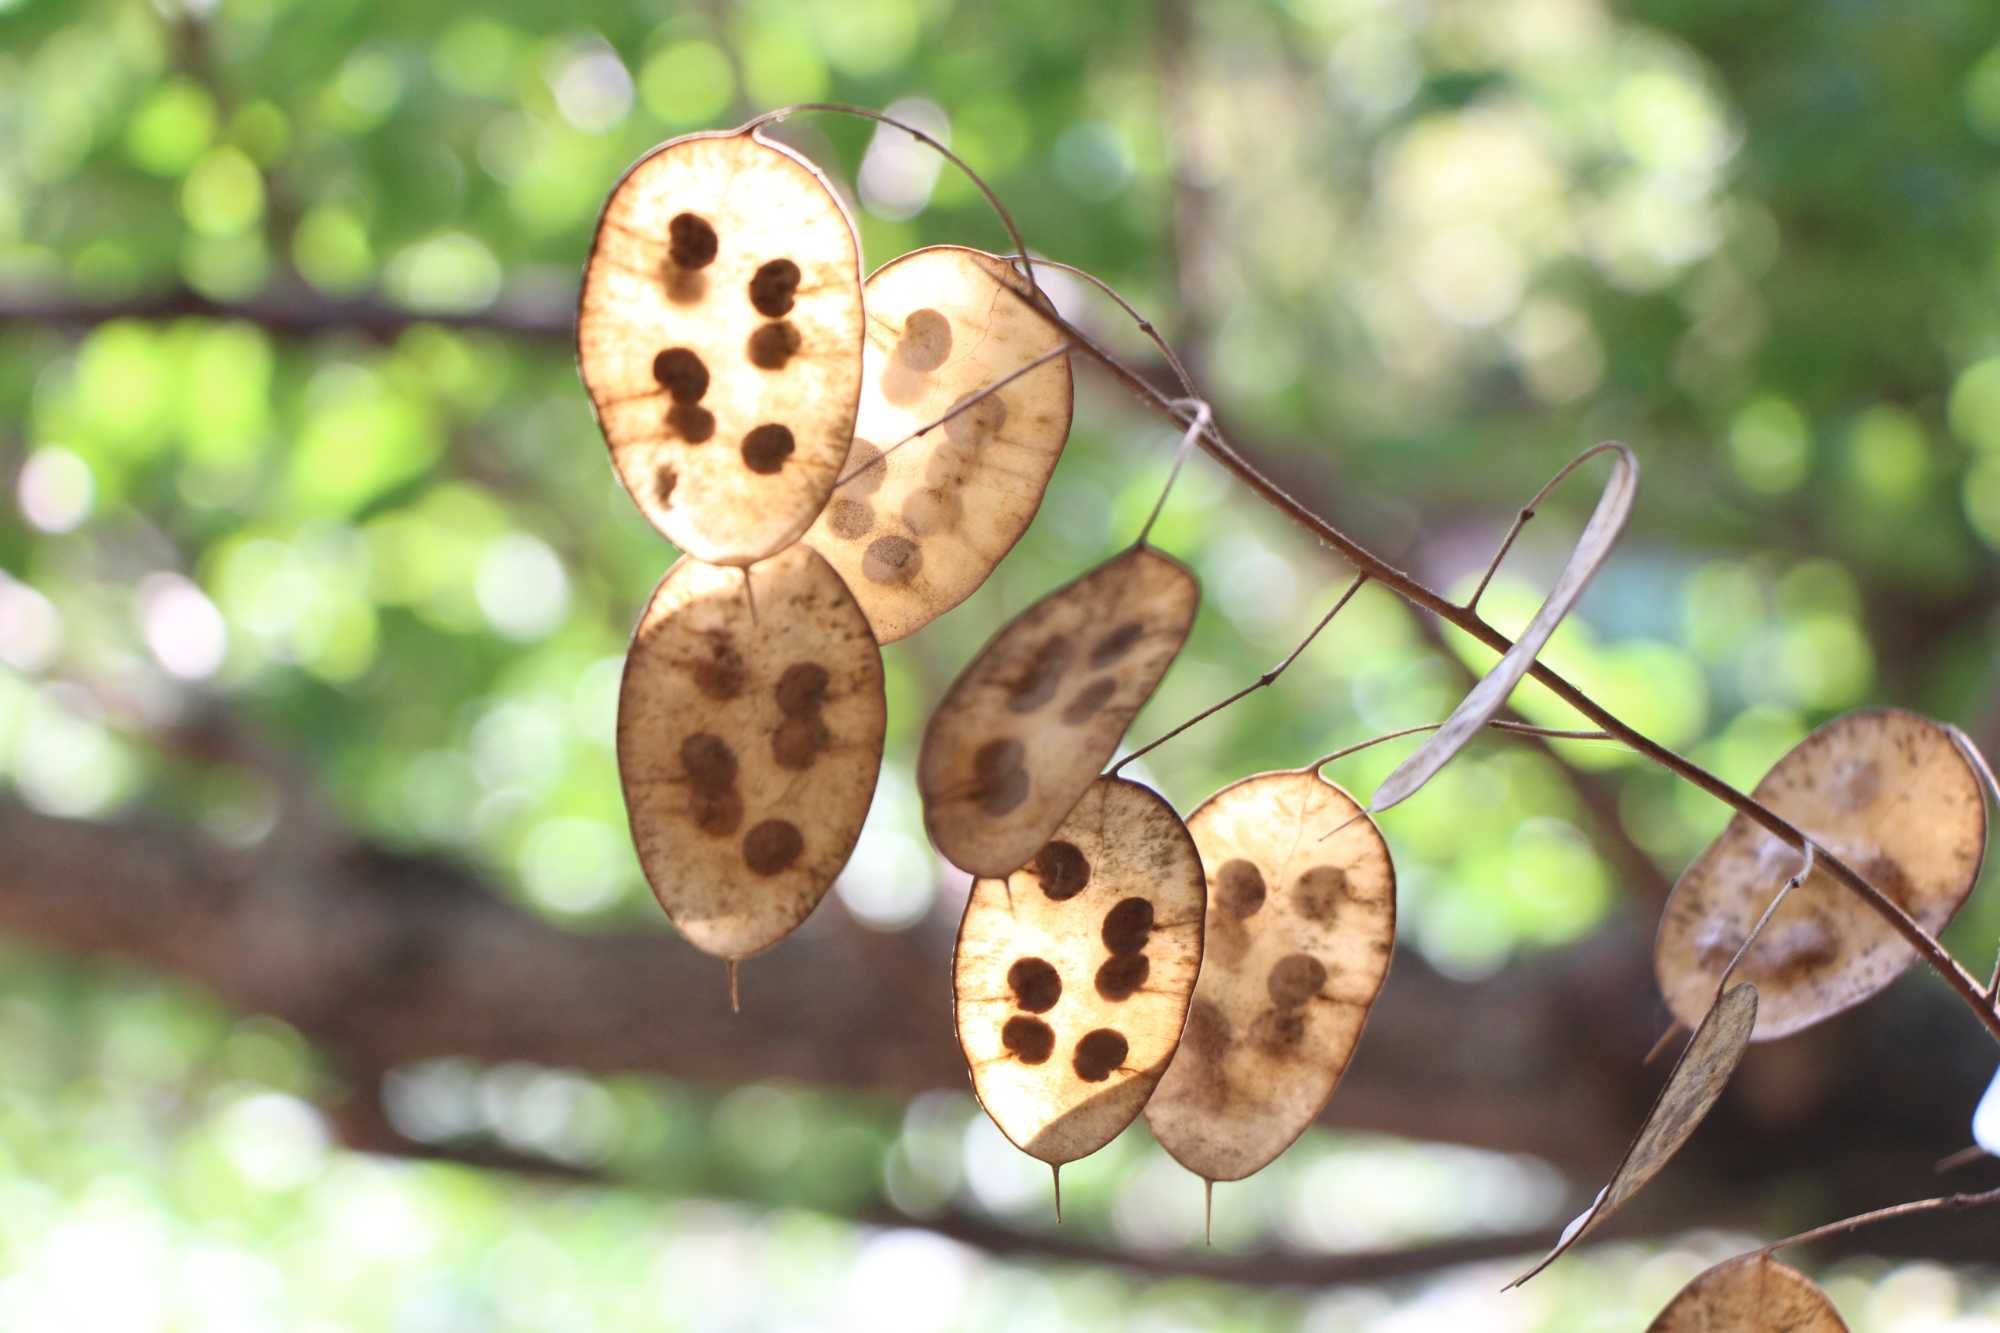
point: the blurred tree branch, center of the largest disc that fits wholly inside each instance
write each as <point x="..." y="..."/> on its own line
<point x="384" y="958"/>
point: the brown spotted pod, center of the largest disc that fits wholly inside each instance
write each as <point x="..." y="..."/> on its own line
<point x="719" y="336"/>
<point x="1071" y="978"/>
<point x="1753" y="1293"/>
<point x="1886" y="791"/>
<point x="916" y="531"/>
<point x="750" y="725"/>
<point x="1301" y="927"/>
<point x="1030" y="722"/>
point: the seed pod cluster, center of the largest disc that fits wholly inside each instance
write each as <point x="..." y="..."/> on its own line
<point x="720" y="335"/>
<point x="843" y="462"/>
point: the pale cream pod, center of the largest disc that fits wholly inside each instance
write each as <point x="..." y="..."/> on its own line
<point x="719" y="336"/>
<point x="917" y="524"/>
<point x="1071" y="977"/>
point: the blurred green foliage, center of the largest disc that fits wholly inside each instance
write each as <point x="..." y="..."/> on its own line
<point x="1419" y="254"/>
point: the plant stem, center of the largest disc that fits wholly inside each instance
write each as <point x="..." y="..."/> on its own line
<point x="1417" y="594"/>
<point x="1253" y="686"/>
<point x="1942" y="1204"/>
<point x="1414" y="591"/>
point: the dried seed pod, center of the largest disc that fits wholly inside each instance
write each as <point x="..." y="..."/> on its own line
<point x="1301" y="926"/>
<point x="719" y="335"/>
<point x="1750" y="1294"/>
<point x="1888" y="793"/>
<point x="1486" y="699"/>
<point x="1028" y="724"/>
<point x="1071" y="978"/>
<point x="1690" y="1093"/>
<point x="915" y="532"/>
<point x="745" y="690"/>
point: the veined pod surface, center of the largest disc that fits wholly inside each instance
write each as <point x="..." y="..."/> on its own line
<point x="1030" y="722"/>
<point x="917" y="529"/>
<point x="1071" y="977"/>
<point x="1889" y="793"/>
<point x="750" y="726"/>
<point x="1301" y="928"/>
<point x="719" y="335"/>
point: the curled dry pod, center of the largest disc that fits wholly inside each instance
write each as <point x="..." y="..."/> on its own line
<point x="750" y="728"/>
<point x="719" y="336"/>
<point x="1071" y="978"/>
<point x="1689" y="1094"/>
<point x="915" y="532"/>
<point x="1751" y="1294"/>
<point x="1301" y="926"/>
<point x="1888" y="793"/>
<point x="1028" y="724"/>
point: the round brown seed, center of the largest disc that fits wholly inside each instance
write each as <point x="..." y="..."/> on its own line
<point x="773" y="345"/>
<point x="1294" y="979"/>
<point x="766" y="448"/>
<point x="1098" y="1054"/>
<point x="1122" y="974"/>
<point x="892" y="560"/>
<point x="773" y="287"/>
<point x="802" y="689"/>
<point x="710" y="763"/>
<point x="771" y="846"/>
<point x="1063" y="870"/>
<point x="1035" y="983"/>
<point x="1029" y="1040"/>
<point x="1128" y="926"/>
<point x="926" y="343"/>
<point x="681" y="373"/>
<point x="691" y="241"/>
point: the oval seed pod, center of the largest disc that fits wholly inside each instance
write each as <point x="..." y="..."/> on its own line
<point x="719" y="335"/>
<point x="1071" y="977"/>
<point x="1751" y="1294"/>
<point x="1301" y="926"/>
<point x="750" y="724"/>
<point x="1888" y="793"/>
<point x="1028" y="724"/>
<point x="915" y="532"/>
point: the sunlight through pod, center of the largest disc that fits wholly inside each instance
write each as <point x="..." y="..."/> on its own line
<point x="1028" y="724"/>
<point x="1884" y="790"/>
<point x="1690" y="1093"/>
<point x="719" y="335"/>
<point x="1071" y="977"/>
<point x="916" y="531"/>
<point x="1751" y="1294"/>
<point x="1300" y="931"/>
<point x="750" y="728"/>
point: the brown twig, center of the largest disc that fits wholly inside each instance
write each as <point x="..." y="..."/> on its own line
<point x="1941" y="1204"/>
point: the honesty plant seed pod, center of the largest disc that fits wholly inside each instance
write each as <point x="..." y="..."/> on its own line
<point x="1690" y="1093"/>
<point x="1485" y="700"/>
<point x="1751" y="1294"/>
<point x="750" y="727"/>
<point x="719" y="336"/>
<point x="1071" y="977"/>
<point x="1887" y="792"/>
<point x="915" y="532"/>
<point x="1301" y="926"/>
<point x="1029" y="723"/>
